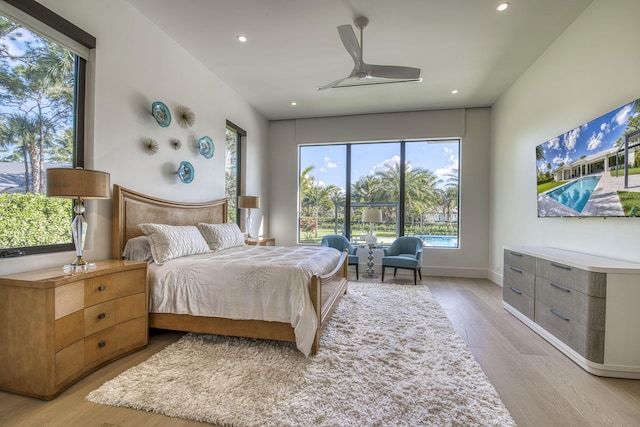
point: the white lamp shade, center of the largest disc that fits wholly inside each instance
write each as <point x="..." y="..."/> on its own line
<point x="372" y="215"/>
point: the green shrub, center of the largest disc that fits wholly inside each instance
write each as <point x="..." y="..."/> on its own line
<point x="28" y="219"/>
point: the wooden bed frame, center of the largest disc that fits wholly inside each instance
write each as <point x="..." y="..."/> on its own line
<point x="131" y="208"/>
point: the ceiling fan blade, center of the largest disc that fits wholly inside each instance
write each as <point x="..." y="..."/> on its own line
<point x="332" y="84"/>
<point x="392" y="72"/>
<point x="350" y="42"/>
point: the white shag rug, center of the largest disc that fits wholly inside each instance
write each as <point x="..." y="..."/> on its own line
<point x="388" y="357"/>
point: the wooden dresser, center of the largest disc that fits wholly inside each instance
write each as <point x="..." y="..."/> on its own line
<point x="585" y="305"/>
<point x="261" y="241"/>
<point x="57" y="327"/>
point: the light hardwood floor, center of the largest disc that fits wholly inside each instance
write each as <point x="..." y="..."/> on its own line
<point x="538" y="384"/>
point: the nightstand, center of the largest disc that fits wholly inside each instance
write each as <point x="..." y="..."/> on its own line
<point x="262" y="241"/>
<point x="57" y="327"/>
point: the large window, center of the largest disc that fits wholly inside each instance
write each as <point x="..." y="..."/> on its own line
<point x="233" y="169"/>
<point x="41" y="125"/>
<point x="414" y="184"/>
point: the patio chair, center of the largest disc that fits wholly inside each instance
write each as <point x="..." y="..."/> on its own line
<point x="405" y="252"/>
<point x="341" y="243"/>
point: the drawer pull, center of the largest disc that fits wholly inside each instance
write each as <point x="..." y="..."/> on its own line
<point x="517" y="291"/>
<point x="515" y="253"/>
<point x="562" y="266"/>
<point x="517" y="270"/>
<point x="101" y="344"/>
<point x="101" y="288"/>
<point x="562" y="288"/>
<point x="101" y="316"/>
<point x="560" y="315"/>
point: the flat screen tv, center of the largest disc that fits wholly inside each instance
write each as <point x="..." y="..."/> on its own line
<point x="594" y="169"/>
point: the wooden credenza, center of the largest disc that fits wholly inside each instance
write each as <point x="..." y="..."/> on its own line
<point x="57" y="327"/>
<point x="585" y="305"/>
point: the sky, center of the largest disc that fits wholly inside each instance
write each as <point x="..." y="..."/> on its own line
<point x="593" y="137"/>
<point x="439" y="157"/>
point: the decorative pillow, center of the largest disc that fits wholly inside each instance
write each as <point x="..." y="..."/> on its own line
<point x="138" y="249"/>
<point x="222" y="236"/>
<point x="173" y="241"/>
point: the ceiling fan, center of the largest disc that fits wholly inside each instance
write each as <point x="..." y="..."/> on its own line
<point x="377" y="74"/>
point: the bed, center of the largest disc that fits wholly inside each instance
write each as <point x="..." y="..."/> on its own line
<point x="131" y="208"/>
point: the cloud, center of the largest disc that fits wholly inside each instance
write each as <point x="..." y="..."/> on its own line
<point x="622" y="116"/>
<point x="385" y="165"/>
<point x="565" y="160"/>
<point x="595" y="141"/>
<point x="605" y="127"/>
<point x="570" y="139"/>
<point x="553" y="144"/>
<point x="328" y="163"/>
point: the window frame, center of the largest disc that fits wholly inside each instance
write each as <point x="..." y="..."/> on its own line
<point x="242" y="135"/>
<point x="54" y="21"/>
<point x="400" y="222"/>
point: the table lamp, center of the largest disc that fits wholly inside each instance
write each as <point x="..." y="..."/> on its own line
<point x="371" y="215"/>
<point x="248" y="202"/>
<point x="79" y="184"/>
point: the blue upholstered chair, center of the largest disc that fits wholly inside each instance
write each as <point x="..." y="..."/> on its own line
<point x="341" y="243"/>
<point x="405" y="252"/>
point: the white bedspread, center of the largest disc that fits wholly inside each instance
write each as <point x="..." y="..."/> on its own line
<point x="249" y="282"/>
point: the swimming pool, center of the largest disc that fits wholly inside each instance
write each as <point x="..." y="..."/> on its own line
<point x="575" y="194"/>
<point x="442" y="241"/>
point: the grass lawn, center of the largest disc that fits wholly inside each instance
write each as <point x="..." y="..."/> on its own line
<point x="632" y="171"/>
<point x="630" y="201"/>
<point x="549" y="185"/>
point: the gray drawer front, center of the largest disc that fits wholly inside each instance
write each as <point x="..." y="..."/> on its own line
<point x="586" y="310"/>
<point x="519" y="260"/>
<point x="518" y="300"/>
<point x="585" y="341"/>
<point x="520" y="279"/>
<point x="590" y="283"/>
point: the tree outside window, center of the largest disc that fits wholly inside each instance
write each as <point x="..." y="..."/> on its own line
<point x="37" y="104"/>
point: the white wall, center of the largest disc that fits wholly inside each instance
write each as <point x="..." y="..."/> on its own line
<point x="591" y="69"/>
<point x="133" y="65"/>
<point x="473" y="125"/>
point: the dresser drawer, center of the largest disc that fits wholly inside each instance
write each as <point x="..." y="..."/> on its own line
<point x="520" y="279"/>
<point x="99" y="317"/>
<point x="70" y="361"/>
<point x="519" y="300"/>
<point x="100" y="345"/>
<point x="587" y="282"/>
<point x="100" y="289"/>
<point x="130" y="307"/>
<point x="69" y="298"/>
<point x="133" y="333"/>
<point x="131" y="282"/>
<point x="520" y="260"/>
<point x="585" y="341"/>
<point x="69" y="329"/>
<point x="586" y="310"/>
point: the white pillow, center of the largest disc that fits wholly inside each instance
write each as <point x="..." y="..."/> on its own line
<point x="137" y="249"/>
<point x="173" y="241"/>
<point x="222" y="236"/>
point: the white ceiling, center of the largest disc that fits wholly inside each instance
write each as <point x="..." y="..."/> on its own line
<point x="294" y="47"/>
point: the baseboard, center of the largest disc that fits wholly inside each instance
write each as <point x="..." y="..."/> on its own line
<point x="471" y="273"/>
<point x="495" y="277"/>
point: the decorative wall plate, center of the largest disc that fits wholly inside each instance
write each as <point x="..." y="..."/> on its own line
<point x="161" y="113"/>
<point x="205" y="147"/>
<point x="186" y="172"/>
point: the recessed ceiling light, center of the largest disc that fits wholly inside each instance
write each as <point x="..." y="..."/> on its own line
<point x="242" y="38"/>
<point x="502" y="6"/>
<point x="294" y="103"/>
<point x="454" y="91"/>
